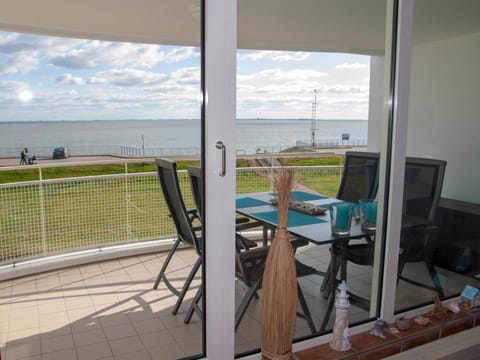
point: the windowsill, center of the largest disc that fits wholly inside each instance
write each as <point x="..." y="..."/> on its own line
<point x="366" y="346"/>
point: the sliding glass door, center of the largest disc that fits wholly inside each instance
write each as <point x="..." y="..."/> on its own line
<point x="311" y="94"/>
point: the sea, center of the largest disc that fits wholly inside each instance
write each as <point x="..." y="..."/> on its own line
<point x="176" y="136"/>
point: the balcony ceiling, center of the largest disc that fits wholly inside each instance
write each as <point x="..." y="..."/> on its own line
<point x="303" y="25"/>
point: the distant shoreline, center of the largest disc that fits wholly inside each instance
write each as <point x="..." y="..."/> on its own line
<point x="101" y="120"/>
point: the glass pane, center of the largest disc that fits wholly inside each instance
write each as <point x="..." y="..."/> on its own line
<point x="310" y="91"/>
<point x="441" y="252"/>
<point x="86" y="118"/>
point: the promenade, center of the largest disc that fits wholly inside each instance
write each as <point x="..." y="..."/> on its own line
<point x="10" y="161"/>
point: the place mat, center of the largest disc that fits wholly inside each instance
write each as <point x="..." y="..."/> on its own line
<point x="304" y="196"/>
<point x="249" y="202"/>
<point x="294" y="218"/>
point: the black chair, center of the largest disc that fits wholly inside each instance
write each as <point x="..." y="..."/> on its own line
<point x="418" y="242"/>
<point x="359" y="177"/>
<point x="359" y="181"/>
<point x="167" y="173"/>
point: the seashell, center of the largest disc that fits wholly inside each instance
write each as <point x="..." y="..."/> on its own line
<point x="421" y="320"/>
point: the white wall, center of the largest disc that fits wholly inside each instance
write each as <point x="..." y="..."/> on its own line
<point x="444" y="116"/>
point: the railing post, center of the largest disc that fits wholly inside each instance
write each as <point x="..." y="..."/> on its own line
<point x="127" y="203"/>
<point x="42" y="213"/>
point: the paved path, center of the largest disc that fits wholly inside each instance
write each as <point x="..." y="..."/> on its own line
<point x="101" y="158"/>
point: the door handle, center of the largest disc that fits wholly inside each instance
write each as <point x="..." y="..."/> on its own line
<point x="221" y="146"/>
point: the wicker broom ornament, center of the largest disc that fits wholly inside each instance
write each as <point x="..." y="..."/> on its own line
<point x="279" y="288"/>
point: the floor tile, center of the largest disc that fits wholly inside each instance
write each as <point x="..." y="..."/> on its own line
<point x="61" y="355"/>
<point x="119" y="331"/>
<point x="126" y="345"/>
<point x="94" y="351"/>
<point x="53" y="344"/>
<point x="23" y="349"/>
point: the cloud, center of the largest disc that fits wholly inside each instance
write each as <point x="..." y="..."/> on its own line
<point x="351" y="66"/>
<point x="18" y="63"/>
<point x="127" y="77"/>
<point x="345" y="89"/>
<point x="94" y="54"/>
<point x="21" y="53"/>
<point x="280" y="56"/>
<point x="278" y="75"/>
<point x="12" y="86"/>
<point x="186" y="75"/>
<point x="14" y="43"/>
<point x="282" y="93"/>
<point x="182" y="54"/>
<point x="68" y="79"/>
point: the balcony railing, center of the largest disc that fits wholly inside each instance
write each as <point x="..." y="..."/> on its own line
<point x="49" y="217"/>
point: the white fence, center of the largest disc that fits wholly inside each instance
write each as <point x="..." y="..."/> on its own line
<point x="46" y="217"/>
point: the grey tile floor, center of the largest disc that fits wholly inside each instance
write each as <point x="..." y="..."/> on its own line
<point x="109" y="310"/>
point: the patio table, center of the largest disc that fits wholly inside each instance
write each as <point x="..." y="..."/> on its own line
<point x="315" y="229"/>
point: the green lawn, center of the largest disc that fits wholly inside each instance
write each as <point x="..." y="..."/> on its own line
<point x="89" y="213"/>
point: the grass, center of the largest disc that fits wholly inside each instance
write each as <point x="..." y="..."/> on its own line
<point x="13" y="176"/>
<point x="89" y="213"/>
<point x="313" y="161"/>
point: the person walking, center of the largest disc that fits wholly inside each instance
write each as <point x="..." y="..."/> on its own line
<point x="24" y="157"/>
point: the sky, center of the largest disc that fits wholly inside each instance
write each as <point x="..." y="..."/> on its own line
<point x="52" y="78"/>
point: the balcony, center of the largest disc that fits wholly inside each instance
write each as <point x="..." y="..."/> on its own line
<point x="110" y="231"/>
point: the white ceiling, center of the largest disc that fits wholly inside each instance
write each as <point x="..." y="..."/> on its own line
<point x="356" y="26"/>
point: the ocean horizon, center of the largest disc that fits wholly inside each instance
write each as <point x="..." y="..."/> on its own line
<point x="182" y="136"/>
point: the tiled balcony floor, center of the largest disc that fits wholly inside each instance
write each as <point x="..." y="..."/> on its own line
<point x="109" y="310"/>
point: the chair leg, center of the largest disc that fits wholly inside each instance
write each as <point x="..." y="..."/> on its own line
<point x="194" y="306"/>
<point x="247" y="298"/>
<point x="165" y="264"/>
<point x="306" y="312"/>
<point x="329" y="287"/>
<point x="186" y="285"/>
<point x="325" y="281"/>
<point x="328" y="313"/>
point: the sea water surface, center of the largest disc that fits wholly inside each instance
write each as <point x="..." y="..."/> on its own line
<point x="179" y="136"/>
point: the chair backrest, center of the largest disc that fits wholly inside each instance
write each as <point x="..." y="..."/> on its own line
<point x="360" y="176"/>
<point x="196" y="182"/>
<point x="167" y="174"/>
<point x="423" y="187"/>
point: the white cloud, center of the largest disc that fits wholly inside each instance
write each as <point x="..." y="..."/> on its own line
<point x="18" y="63"/>
<point x="190" y="75"/>
<point x="69" y="79"/>
<point x="351" y="66"/>
<point x="127" y="77"/>
<point x="280" y="93"/>
<point x="182" y="54"/>
<point x="12" y="86"/>
<point x="21" y="53"/>
<point x="14" y="43"/>
<point x="93" y="54"/>
<point x="280" y="56"/>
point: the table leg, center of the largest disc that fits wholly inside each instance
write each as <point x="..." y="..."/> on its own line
<point x="331" y="290"/>
<point x="343" y="269"/>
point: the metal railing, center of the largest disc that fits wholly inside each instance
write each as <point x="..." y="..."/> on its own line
<point x="47" y="217"/>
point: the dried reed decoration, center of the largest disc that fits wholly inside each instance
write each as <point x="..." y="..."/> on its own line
<point x="279" y="288"/>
